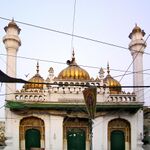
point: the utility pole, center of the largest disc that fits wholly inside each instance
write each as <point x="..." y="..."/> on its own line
<point x="91" y="133"/>
<point x="90" y="97"/>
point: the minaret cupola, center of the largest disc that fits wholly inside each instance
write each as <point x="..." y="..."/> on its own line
<point x="137" y="43"/>
<point x="11" y="39"/>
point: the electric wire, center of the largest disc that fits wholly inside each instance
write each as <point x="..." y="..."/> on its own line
<point x="72" y="42"/>
<point x="73" y="25"/>
<point x="72" y="36"/>
<point x="7" y="85"/>
<point x="2" y="106"/>
<point x="86" y="66"/>
<point x="143" y="95"/>
<point x="69" y="34"/>
<point x="134" y="59"/>
<point x="130" y="73"/>
<point x="56" y="62"/>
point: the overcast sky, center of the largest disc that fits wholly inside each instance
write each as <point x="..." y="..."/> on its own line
<point x="109" y="21"/>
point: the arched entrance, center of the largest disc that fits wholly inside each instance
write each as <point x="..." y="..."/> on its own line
<point x="31" y="133"/>
<point x="117" y="140"/>
<point x="76" y="134"/>
<point x="32" y="139"/>
<point x="119" y="134"/>
<point x="76" y="139"/>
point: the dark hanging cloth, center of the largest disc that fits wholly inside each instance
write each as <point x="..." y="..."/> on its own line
<point x="7" y="79"/>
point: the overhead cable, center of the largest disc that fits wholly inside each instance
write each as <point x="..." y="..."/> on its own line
<point x="133" y="59"/>
<point x="69" y="34"/>
<point x="73" y="24"/>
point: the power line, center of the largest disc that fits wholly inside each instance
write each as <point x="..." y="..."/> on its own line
<point x="142" y="72"/>
<point x="73" y="35"/>
<point x="134" y="59"/>
<point x="2" y="106"/>
<point x="7" y="85"/>
<point x="73" y="23"/>
<point x="56" y="62"/>
<point x="77" y="85"/>
<point x="86" y="66"/>
<point x="94" y="67"/>
<point x="69" y="34"/>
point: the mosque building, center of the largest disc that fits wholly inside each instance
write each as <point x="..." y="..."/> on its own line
<point x="51" y="114"/>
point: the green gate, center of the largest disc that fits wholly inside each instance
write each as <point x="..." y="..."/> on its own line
<point x="117" y="140"/>
<point x="76" y="139"/>
<point x="32" y="138"/>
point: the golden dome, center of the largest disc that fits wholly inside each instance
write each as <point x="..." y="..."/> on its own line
<point x="73" y="71"/>
<point x="36" y="79"/>
<point x="115" y="86"/>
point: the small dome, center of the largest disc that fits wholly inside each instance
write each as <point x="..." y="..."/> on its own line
<point x="115" y="86"/>
<point x="12" y="24"/>
<point x="135" y="30"/>
<point x="73" y="71"/>
<point x="36" y="79"/>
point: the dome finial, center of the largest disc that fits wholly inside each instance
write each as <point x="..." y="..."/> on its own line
<point x="37" y="68"/>
<point x="108" y="70"/>
<point x="114" y="85"/>
<point x="73" y="58"/>
<point x="73" y="54"/>
<point x="101" y="73"/>
<point x="12" y="20"/>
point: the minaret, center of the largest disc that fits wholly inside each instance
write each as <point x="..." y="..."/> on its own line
<point x="137" y="46"/>
<point x="12" y="43"/>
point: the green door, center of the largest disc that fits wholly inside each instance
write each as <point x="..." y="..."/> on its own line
<point x="117" y="140"/>
<point x="32" y="138"/>
<point x="76" y="139"/>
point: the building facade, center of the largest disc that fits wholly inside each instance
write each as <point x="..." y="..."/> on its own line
<point x="146" y="139"/>
<point x="51" y="113"/>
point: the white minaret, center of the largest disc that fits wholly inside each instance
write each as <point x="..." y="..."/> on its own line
<point x="12" y="43"/>
<point x="137" y="46"/>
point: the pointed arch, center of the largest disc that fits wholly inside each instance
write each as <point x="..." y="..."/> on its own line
<point x="119" y="128"/>
<point x="31" y="124"/>
<point x="76" y="133"/>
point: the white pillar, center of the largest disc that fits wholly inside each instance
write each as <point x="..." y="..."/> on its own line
<point x="8" y="130"/>
<point x="99" y="133"/>
<point x="15" y="132"/>
<point x="47" y="132"/>
<point x="56" y="133"/>
<point x="140" y="129"/>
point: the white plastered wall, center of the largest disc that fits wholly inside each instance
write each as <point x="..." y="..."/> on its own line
<point x="100" y="130"/>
